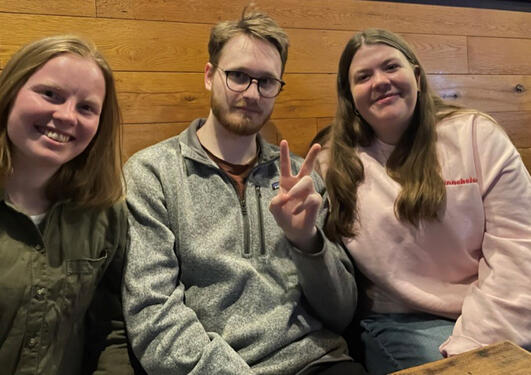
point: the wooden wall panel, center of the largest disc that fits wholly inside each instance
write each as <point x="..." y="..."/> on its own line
<point x="333" y="15"/>
<point x="475" y="57"/>
<point x="499" y="55"/>
<point x="489" y="93"/>
<point x="59" y="7"/>
<point x="128" y="45"/>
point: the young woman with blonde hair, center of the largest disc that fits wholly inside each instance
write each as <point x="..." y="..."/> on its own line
<point x="62" y="214"/>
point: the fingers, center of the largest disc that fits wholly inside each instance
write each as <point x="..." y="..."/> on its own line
<point x="309" y="161"/>
<point x="285" y="162"/>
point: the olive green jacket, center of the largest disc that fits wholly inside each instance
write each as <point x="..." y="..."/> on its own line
<point x="60" y="310"/>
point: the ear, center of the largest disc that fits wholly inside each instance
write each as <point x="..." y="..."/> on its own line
<point x="209" y="75"/>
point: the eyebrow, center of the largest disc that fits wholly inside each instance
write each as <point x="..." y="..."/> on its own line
<point x="260" y="74"/>
<point x="52" y="86"/>
<point x="386" y="61"/>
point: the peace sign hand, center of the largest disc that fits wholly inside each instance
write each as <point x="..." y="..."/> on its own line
<point x="296" y="205"/>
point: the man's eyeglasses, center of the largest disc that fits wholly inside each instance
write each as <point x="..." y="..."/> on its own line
<point x="239" y="81"/>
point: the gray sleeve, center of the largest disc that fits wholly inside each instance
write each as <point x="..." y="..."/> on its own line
<point x="166" y="335"/>
<point x="327" y="277"/>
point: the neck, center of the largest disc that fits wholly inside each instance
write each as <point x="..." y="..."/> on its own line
<point x="26" y="187"/>
<point x="230" y="147"/>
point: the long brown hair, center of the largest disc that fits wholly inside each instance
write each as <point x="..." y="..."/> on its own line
<point x="413" y="163"/>
<point x="93" y="178"/>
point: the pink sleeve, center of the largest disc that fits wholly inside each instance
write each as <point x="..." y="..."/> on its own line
<point x="498" y="306"/>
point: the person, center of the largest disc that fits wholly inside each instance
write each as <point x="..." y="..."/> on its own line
<point x="62" y="214"/>
<point x="322" y="138"/>
<point x="214" y="282"/>
<point x="432" y="201"/>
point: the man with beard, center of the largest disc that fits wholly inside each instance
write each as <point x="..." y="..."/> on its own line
<point x="215" y="283"/>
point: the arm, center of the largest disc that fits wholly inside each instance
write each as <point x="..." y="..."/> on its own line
<point x="498" y="306"/>
<point x="325" y="271"/>
<point x="165" y="334"/>
<point x="106" y="351"/>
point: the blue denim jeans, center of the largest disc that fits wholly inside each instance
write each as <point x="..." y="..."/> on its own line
<point x="392" y="342"/>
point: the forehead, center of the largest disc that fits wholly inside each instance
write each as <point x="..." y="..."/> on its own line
<point x="370" y="55"/>
<point x="251" y="54"/>
<point x="71" y="71"/>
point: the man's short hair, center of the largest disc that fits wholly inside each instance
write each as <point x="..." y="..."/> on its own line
<point x="255" y="24"/>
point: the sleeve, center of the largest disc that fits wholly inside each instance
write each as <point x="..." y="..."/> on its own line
<point x="498" y="306"/>
<point x="327" y="277"/>
<point x="106" y="351"/>
<point x="166" y="336"/>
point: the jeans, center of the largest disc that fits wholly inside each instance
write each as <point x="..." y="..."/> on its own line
<point x="392" y="342"/>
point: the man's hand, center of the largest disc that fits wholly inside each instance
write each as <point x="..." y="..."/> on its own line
<point x="296" y="205"/>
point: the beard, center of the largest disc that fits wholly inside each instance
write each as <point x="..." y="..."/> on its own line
<point x="238" y="122"/>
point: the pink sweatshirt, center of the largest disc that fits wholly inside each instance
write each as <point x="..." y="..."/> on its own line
<point x="475" y="264"/>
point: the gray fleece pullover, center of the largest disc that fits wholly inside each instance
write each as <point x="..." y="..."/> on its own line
<point x="211" y="284"/>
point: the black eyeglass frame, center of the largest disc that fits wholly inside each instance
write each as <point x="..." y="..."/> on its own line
<point x="251" y="79"/>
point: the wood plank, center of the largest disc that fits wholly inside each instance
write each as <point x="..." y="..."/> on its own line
<point x="503" y="358"/>
<point x="437" y="53"/>
<point x="139" y="136"/>
<point x="334" y="15"/>
<point x="298" y="133"/>
<point x="128" y="45"/>
<point x="499" y="56"/>
<point x="58" y="7"/>
<point x="517" y="125"/>
<point x="489" y="93"/>
<point x="168" y="46"/>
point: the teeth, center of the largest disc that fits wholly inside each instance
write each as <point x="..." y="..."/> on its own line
<point x="56" y="136"/>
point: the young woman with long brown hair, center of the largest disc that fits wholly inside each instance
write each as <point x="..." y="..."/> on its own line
<point x="433" y="202"/>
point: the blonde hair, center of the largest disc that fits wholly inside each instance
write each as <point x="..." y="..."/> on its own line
<point x="413" y="163"/>
<point x="93" y="178"/>
<point x="255" y="24"/>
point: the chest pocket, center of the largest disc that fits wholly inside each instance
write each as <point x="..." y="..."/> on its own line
<point x="82" y="278"/>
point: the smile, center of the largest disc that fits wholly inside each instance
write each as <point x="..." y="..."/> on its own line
<point x="386" y="96"/>
<point x="52" y="134"/>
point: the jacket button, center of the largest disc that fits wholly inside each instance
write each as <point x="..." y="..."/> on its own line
<point x="32" y="342"/>
<point x="40" y="294"/>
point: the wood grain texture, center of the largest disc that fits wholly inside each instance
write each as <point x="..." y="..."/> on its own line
<point x="128" y="45"/>
<point x="59" y="7"/>
<point x="489" y="93"/>
<point x="503" y="358"/>
<point x="334" y="15"/>
<point x="499" y="55"/>
<point x="158" y="49"/>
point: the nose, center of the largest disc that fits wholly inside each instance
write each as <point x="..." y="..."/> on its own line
<point x="66" y="112"/>
<point x="380" y="80"/>
<point x="252" y="91"/>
